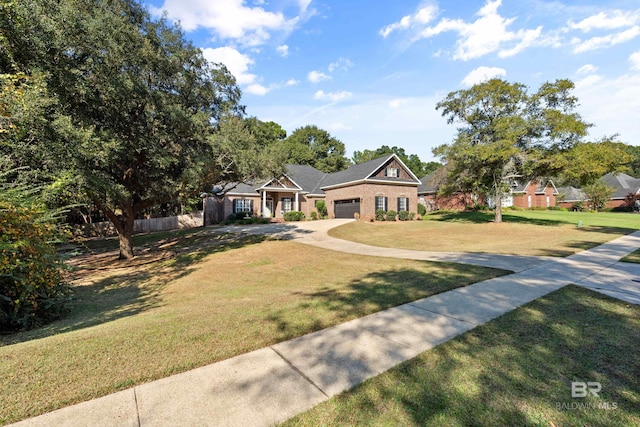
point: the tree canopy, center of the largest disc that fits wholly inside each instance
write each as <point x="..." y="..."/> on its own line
<point x="507" y="133"/>
<point x="413" y="162"/>
<point x="310" y="145"/>
<point x="586" y="162"/>
<point x="137" y="113"/>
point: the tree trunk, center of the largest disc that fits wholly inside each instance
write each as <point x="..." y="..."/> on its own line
<point x="498" y="213"/>
<point x="124" y="237"/>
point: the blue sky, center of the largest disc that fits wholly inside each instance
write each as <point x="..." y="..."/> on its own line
<point x="371" y="72"/>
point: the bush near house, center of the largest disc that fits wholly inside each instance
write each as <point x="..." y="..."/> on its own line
<point x="293" y="216"/>
<point x="391" y="215"/>
<point x="422" y="209"/>
<point x="321" y="206"/>
<point x="380" y="215"/>
<point x="406" y="215"/>
<point x="314" y="216"/>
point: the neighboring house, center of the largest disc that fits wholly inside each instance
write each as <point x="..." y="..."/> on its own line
<point x="385" y="183"/>
<point x="428" y="195"/>
<point x="532" y="194"/>
<point x="568" y="196"/>
<point x="626" y="189"/>
<point x="624" y="186"/>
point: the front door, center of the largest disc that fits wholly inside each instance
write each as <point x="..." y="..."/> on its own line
<point x="269" y="208"/>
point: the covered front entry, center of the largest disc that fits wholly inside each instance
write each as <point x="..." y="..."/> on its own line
<point x="346" y="208"/>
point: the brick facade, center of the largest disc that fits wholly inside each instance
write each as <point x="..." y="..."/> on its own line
<point x="367" y="193"/>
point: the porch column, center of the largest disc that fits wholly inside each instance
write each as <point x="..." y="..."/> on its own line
<point x="264" y="204"/>
<point x="297" y="202"/>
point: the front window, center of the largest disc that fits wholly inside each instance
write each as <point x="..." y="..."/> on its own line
<point x="242" y="205"/>
<point x="403" y="204"/>
<point x="381" y="203"/>
<point x="287" y="204"/>
<point x="392" y="172"/>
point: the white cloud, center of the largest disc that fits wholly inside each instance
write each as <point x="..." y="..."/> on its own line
<point x="341" y="64"/>
<point x="237" y="63"/>
<point x="634" y="58"/>
<point x="486" y="34"/>
<point x="228" y="19"/>
<point x="597" y="96"/>
<point x="396" y="103"/>
<point x="257" y="89"/>
<point x="587" y="69"/>
<point x="590" y="80"/>
<point x="606" y="41"/>
<point x="332" y="96"/>
<point x="482" y="74"/>
<point x="317" y="76"/>
<point x="292" y="82"/>
<point x="283" y="50"/>
<point x="424" y="15"/>
<point x="607" y="21"/>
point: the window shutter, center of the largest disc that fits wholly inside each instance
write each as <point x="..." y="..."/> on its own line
<point x="386" y="204"/>
<point x="235" y="206"/>
<point x="398" y="210"/>
<point x="407" y="203"/>
<point x="251" y="206"/>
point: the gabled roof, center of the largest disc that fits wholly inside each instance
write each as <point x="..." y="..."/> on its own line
<point x="365" y="172"/>
<point x="310" y="180"/>
<point x="622" y="184"/>
<point x="542" y="184"/>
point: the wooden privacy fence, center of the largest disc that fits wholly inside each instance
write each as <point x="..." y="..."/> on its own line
<point x="146" y="225"/>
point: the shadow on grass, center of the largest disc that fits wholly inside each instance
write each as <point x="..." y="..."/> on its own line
<point x="372" y="293"/>
<point x="515" y="370"/>
<point x="129" y="289"/>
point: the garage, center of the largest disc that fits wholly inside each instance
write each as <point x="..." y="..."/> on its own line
<point x="346" y="208"/>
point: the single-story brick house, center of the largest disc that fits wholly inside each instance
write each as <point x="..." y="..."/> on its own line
<point x="384" y="183"/>
<point x="626" y="189"/>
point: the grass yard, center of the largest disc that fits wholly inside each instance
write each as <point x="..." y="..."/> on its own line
<point x="191" y="299"/>
<point x="552" y="233"/>
<point x="514" y="371"/>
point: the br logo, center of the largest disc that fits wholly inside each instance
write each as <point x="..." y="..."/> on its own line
<point x="582" y="389"/>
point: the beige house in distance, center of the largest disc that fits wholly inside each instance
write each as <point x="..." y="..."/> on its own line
<point x="384" y="183"/>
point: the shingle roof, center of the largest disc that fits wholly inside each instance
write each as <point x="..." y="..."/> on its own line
<point x="428" y="184"/>
<point x="571" y="194"/>
<point x="312" y="180"/>
<point x="622" y="183"/>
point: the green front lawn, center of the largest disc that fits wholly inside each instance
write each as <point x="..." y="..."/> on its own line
<point x="133" y="323"/>
<point x="514" y="371"/>
<point x="553" y="233"/>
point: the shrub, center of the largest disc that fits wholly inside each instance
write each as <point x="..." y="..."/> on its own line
<point x="391" y="215"/>
<point x="422" y="209"/>
<point x="31" y="288"/>
<point x="321" y="206"/>
<point x="314" y="216"/>
<point x="403" y="215"/>
<point x="379" y="215"/>
<point x="293" y="216"/>
<point x="577" y="206"/>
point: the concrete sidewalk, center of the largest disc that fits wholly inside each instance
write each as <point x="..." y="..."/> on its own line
<point x="273" y="384"/>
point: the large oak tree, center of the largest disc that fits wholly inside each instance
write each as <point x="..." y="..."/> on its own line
<point x="139" y="112"/>
<point x="506" y="133"/>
